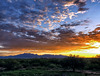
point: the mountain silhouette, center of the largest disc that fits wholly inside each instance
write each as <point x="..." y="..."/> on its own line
<point x="29" y="56"/>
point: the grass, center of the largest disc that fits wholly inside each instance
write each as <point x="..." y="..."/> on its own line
<point x="37" y="72"/>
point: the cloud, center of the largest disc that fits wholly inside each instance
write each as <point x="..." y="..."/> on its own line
<point x="93" y="0"/>
<point x="83" y="9"/>
<point x="39" y="25"/>
<point x="37" y="13"/>
<point x="76" y="23"/>
<point x="55" y="41"/>
<point x="20" y="37"/>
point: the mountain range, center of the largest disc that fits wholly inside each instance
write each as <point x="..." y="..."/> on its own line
<point x="30" y="56"/>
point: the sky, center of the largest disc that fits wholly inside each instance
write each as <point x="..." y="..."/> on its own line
<point x="50" y="27"/>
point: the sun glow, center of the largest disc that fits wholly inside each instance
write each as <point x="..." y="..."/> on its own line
<point x="92" y="49"/>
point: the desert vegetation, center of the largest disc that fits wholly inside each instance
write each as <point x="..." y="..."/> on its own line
<point x="70" y="66"/>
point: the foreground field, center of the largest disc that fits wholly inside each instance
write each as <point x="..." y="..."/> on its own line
<point x="37" y="72"/>
<point x="71" y="66"/>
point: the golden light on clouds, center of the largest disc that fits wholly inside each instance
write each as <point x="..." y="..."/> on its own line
<point x="94" y="44"/>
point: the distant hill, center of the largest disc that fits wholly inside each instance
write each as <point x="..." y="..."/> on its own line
<point x="29" y="56"/>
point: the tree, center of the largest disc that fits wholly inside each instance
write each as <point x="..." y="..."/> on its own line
<point x="73" y="63"/>
<point x="12" y="64"/>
